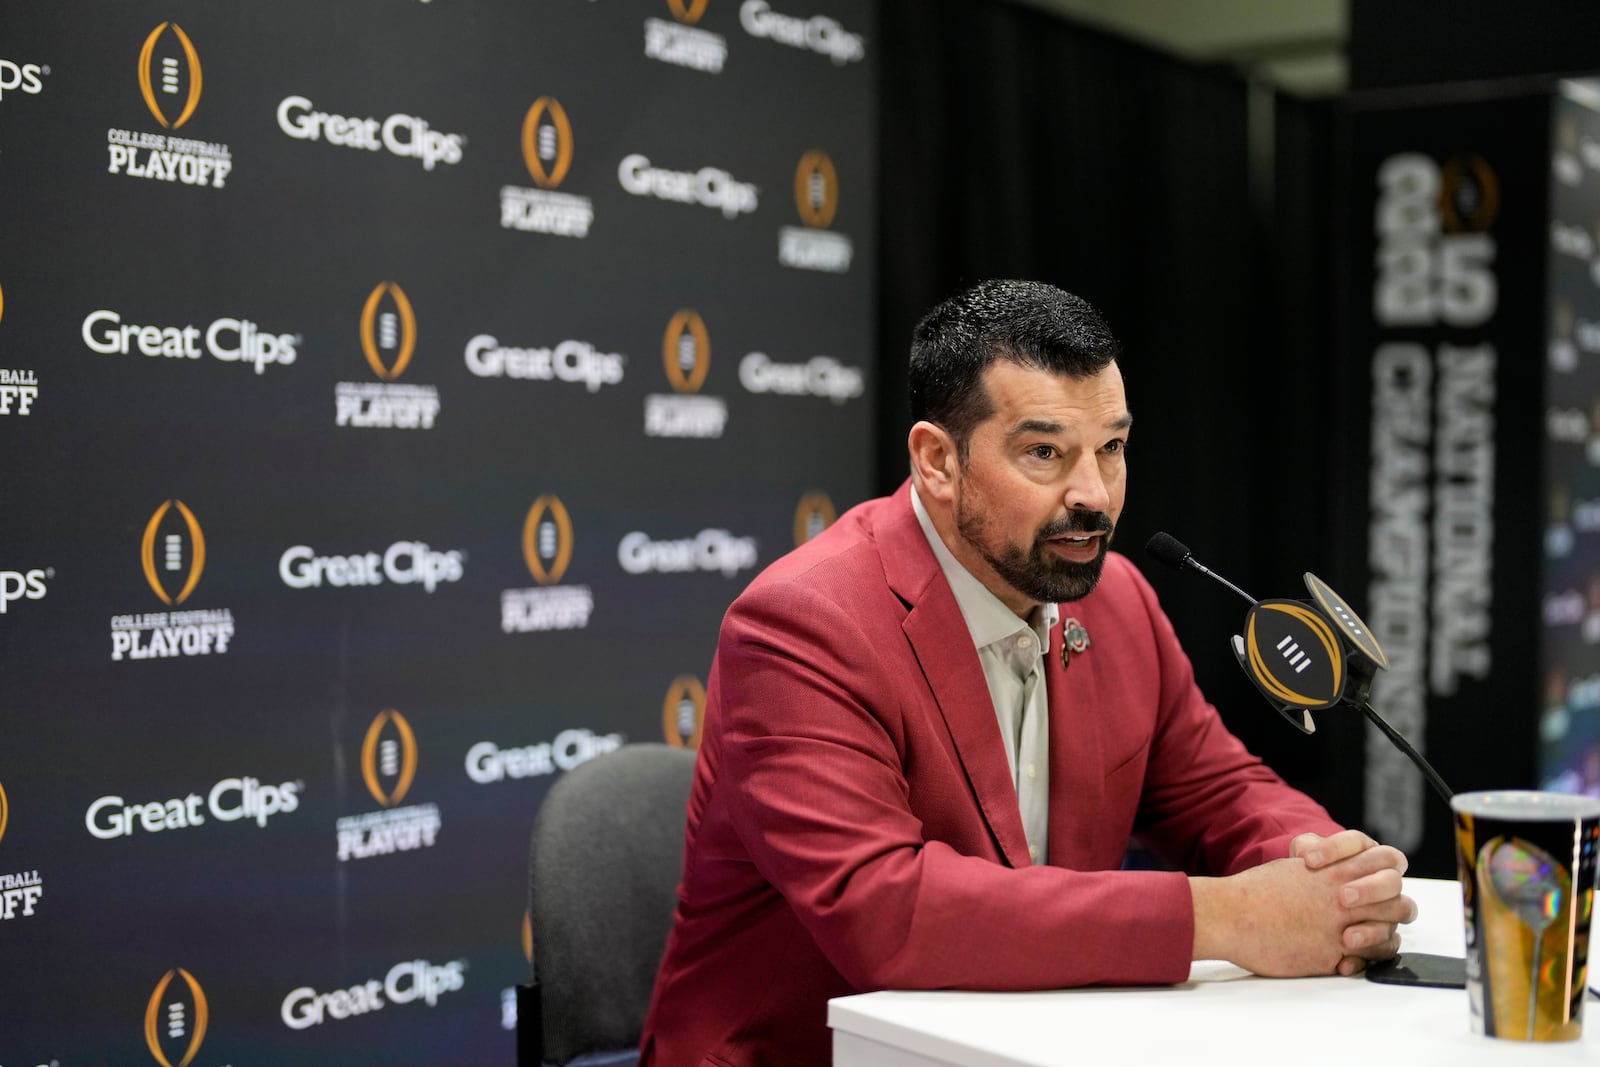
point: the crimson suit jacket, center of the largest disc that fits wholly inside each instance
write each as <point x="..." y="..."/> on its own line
<point x="853" y="824"/>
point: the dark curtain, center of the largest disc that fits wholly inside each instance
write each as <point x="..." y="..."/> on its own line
<point x="1015" y="144"/>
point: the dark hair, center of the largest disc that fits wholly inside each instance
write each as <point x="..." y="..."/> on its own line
<point x="1030" y="324"/>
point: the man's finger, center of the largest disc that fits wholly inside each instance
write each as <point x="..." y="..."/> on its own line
<point x="1371" y="940"/>
<point x="1318" y="851"/>
<point x="1374" y="888"/>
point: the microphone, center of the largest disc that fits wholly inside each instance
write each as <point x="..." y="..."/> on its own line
<point x="1174" y="553"/>
<point x="1305" y="656"/>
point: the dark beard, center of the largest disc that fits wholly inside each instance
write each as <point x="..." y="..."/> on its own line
<point x="1038" y="574"/>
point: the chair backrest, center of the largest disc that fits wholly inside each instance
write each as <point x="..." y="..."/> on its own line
<point x="605" y="861"/>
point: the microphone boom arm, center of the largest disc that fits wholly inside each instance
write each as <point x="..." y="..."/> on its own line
<point x="1412" y="754"/>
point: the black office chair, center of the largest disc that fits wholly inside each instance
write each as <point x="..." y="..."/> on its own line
<point x="606" y="856"/>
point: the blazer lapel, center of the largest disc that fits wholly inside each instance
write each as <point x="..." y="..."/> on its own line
<point x="943" y="648"/>
<point x="1077" y="763"/>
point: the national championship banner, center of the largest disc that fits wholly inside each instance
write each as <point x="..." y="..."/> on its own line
<point x="1444" y="305"/>
<point x="393" y="396"/>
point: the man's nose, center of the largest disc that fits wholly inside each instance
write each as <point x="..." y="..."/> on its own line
<point x="1086" y="486"/>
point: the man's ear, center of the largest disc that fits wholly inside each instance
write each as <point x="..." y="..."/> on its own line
<point x="935" y="463"/>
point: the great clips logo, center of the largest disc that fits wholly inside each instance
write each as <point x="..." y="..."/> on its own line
<point x="819" y="33"/>
<point x="172" y="556"/>
<point x="681" y="43"/>
<point x="20" y="892"/>
<point x="388" y="768"/>
<point x="708" y="552"/>
<point x="683" y="712"/>
<point x="409" y="563"/>
<point x="27" y="78"/>
<point x="686" y="358"/>
<point x="710" y="187"/>
<point x="230" y="800"/>
<point x="409" y="982"/>
<point x="24" y="585"/>
<point x="175" y="1019"/>
<point x="547" y="152"/>
<point x="812" y="246"/>
<point x="388" y="332"/>
<point x="819" y="376"/>
<point x="229" y="340"/>
<point x="547" y="544"/>
<point x="487" y="762"/>
<point x="406" y="136"/>
<point x="170" y="82"/>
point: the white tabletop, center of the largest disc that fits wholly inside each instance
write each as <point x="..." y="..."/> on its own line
<point x="1221" y="1013"/>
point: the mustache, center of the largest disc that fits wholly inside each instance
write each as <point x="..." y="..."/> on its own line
<point x="1078" y="522"/>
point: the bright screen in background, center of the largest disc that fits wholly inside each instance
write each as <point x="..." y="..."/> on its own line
<point x="1569" y="727"/>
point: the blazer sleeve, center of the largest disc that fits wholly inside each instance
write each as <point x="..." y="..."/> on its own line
<point x="1208" y="804"/>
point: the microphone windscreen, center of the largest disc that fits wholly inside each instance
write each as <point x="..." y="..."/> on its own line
<point x="1168" y="549"/>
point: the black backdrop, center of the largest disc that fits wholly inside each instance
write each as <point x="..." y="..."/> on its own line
<point x="1018" y="145"/>
<point x="292" y="648"/>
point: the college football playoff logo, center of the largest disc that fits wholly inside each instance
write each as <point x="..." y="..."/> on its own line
<point x="547" y="540"/>
<point x="169" y="75"/>
<point x="687" y="10"/>
<point x="816" y="190"/>
<point x="389" y="759"/>
<point x="686" y="351"/>
<point x="547" y="142"/>
<point x="683" y="712"/>
<point x="814" y="514"/>
<point x="1469" y="195"/>
<point x="172" y="552"/>
<point x="385" y="330"/>
<point x="176" y="1028"/>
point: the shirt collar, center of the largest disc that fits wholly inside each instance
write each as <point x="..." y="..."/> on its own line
<point x="987" y="617"/>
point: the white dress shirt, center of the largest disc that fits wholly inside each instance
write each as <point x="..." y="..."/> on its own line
<point x="1012" y="652"/>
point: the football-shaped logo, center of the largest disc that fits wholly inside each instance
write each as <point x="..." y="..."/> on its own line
<point x="153" y="83"/>
<point x="547" y="540"/>
<point x="175" y="1019"/>
<point x="1293" y="656"/>
<point x="388" y="331"/>
<point x="814" y="514"/>
<point x="547" y="142"/>
<point x="170" y="559"/>
<point x="686" y="351"/>
<point x="683" y="712"/>
<point x="816" y="189"/>
<point x="389" y="760"/>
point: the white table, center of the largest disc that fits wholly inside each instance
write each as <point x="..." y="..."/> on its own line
<point x="1222" y="1014"/>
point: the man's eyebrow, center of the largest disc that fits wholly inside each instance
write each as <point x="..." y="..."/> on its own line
<point x="1045" y="426"/>
<point x="1039" y="426"/>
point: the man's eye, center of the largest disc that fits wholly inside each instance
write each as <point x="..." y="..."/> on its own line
<point x="1042" y="451"/>
<point x="1113" y="447"/>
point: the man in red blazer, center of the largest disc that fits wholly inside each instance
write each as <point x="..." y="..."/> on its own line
<point x="932" y="730"/>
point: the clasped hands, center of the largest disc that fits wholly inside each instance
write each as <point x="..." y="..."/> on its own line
<point x="1330" y="908"/>
<point x="1368" y="878"/>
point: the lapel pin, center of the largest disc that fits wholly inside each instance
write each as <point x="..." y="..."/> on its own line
<point x="1074" y="639"/>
